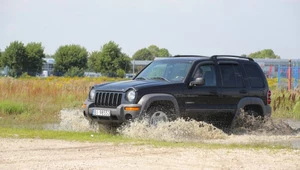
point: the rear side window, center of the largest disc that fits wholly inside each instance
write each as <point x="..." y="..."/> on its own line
<point x="254" y="76"/>
<point x="231" y="75"/>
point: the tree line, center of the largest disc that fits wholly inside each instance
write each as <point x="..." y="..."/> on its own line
<point x="72" y="60"/>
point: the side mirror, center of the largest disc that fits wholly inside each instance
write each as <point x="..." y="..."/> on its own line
<point x="198" y="81"/>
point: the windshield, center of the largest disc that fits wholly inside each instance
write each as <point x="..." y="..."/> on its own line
<point x="166" y="70"/>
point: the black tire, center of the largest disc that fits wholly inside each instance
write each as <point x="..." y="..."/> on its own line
<point x="156" y="114"/>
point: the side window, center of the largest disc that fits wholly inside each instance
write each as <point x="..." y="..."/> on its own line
<point x="231" y="75"/>
<point x="254" y="76"/>
<point x="208" y="73"/>
<point x="238" y="76"/>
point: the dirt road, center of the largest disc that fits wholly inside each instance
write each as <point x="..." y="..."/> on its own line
<point x="57" y="154"/>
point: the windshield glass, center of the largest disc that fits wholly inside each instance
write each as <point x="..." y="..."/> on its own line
<point x="166" y="70"/>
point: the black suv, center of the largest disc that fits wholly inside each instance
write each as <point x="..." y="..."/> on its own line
<point x="203" y="88"/>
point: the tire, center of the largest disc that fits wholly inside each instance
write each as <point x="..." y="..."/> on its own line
<point x="156" y="114"/>
<point x="249" y="119"/>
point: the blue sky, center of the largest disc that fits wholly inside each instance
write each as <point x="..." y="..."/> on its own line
<point x="203" y="27"/>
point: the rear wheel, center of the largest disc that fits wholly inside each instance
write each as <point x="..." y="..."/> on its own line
<point x="250" y="118"/>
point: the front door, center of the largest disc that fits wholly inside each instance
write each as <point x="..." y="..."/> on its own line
<point x="202" y="100"/>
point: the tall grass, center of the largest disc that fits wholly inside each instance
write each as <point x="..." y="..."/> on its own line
<point x="42" y="98"/>
<point x="286" y="104"/>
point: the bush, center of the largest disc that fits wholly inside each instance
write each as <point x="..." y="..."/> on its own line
<point x="11" y="107"/>
<point x="74" y="72"/>
<point x="121" y="73"/>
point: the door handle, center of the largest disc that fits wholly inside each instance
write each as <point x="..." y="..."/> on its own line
<point x="243" y="91"/>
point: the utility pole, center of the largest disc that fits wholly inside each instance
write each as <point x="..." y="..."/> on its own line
<point x="290" y="75"/>
<point x="132" y="66"/>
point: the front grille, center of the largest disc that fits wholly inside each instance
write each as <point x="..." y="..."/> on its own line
<point x="108" y="99"/>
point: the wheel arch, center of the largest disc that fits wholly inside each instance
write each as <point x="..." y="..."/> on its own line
<point x="252" y="102"/>
<point x="149" y="99"/>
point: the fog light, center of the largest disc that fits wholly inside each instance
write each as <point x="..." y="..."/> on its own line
<point x="128" y="116"/>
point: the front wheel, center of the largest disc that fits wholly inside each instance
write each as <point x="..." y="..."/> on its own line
<point x="157" y="114"/>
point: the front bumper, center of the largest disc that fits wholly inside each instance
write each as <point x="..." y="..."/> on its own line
<point x="117" y="115"/>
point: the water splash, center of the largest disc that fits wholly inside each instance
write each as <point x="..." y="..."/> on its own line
<point x="179" y="130"/>
<point x="72" y="120"/>
<point x="247" y="124"/>
<point x="176" y="131"/>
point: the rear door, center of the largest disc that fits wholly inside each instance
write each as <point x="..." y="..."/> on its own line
<point x="256" y="81"/>
<point x="233" y="85"/>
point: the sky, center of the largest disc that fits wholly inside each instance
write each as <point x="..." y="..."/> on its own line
<point x="204" y="27"/>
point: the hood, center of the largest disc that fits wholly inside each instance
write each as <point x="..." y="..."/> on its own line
<point x="125" y="85"/>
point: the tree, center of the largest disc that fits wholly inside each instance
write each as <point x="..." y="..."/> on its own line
<point x="69" y="56"/>
<point x="150" y="53"/>
<point x="93" y="63"/>
<point x="15" y="58"/>
<point x="75" y="72"/>
<point x="110" y="59"/>
<point x="154" y="50"/>
<point x="266" y="53"/>
<point x="163" y="53"/>
<point x="35" y="55"/>
<point x="143" y="54"/>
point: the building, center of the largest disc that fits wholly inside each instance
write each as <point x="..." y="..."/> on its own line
<point x="48" y="67"/>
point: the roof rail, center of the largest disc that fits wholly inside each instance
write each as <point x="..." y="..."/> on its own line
<point x="188" y="56"/>
<point x="231" y="56"/>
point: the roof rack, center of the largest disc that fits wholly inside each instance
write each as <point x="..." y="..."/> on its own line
<point x="188" y="56"/>
<point x="231" y="56"/>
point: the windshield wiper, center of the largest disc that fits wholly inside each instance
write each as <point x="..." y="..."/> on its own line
<point x="140" y="78"/>
<point x="160" y="78"/>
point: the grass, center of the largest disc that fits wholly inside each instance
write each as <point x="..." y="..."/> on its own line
<point x="41" y="99"/>
<point x="117" y="139"/>
<point x="9" y="107"/>
<point x="286" y="104"/>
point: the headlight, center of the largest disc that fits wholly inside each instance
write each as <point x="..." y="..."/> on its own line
<point x="130" y="95"/>
<point x="92" y="94"/>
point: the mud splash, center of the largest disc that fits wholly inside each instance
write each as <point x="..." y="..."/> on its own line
<point x="177" y="131"/>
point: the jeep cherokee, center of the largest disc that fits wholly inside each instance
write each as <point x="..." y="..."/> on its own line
<point x="188" y="86"/>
